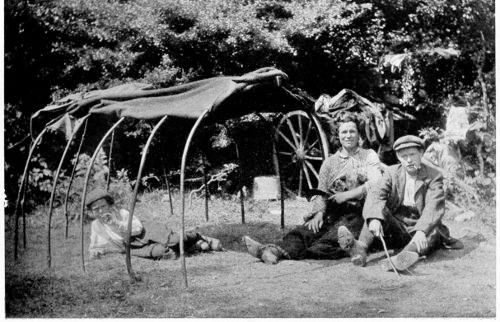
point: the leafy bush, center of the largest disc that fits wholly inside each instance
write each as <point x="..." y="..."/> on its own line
<point x="412" y="54"/>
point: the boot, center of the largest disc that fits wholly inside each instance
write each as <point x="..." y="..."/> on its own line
<point x="402" y="261"/>
<point x="269" y="254"/>
<point x="169" y="254"/>
<point x="355" y="248"/>
<point x="254" y="248"/>
<point x="213" y="243"/>
<point x="157" y="251"/>
<point x="202" y="245"/>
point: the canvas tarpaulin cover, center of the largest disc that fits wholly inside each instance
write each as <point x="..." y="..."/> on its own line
<point x="224" y="96"/>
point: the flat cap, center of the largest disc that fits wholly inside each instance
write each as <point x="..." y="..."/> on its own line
<point x="408" y="141"/>
<point x="97" y="194"/>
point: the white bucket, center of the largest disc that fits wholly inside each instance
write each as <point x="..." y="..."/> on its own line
<point x="266" y="188"/>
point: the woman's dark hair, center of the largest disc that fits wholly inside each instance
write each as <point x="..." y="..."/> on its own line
<point x="345" y="117"/>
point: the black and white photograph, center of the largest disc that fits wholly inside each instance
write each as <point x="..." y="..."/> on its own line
<point x="249" y="159"/>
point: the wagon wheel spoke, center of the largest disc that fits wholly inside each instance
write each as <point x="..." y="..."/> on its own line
<point x="286" y="159"/>
<point x="309" y="183"/>
<point x="310" y="147"/>
<point x="312" y="169"/>
<point x="301" y="178"/>
<point x="313" y="158"/>
<point x="309" y="126"/>
<point x="288" y="165"/>
<point x="301" y="132"/>
<point x="287" y="140"/>
<point x="285" y="149"/>
<point x="298" y="157"/>
<point x="292" y="132"/>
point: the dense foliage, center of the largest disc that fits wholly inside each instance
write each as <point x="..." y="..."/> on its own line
<point x="419" y="56"/>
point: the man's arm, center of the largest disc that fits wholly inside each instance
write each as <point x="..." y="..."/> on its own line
<point x="137" y="226"/>
<point x="373" y="171"/>
<point x="434" y="205"/>
<point x="376" y="199"/>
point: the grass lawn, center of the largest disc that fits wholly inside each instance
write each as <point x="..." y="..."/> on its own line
<point x="234" y="284"/>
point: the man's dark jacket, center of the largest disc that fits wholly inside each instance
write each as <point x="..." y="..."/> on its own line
<point x="386" y="197"/>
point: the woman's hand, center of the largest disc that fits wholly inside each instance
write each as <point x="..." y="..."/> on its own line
<point x="353" y="194"/>
<point x="340" y="197"/>
<point x="315" y="223"/>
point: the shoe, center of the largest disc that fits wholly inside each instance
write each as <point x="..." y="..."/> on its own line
<point x="169" y="254"/>
<point x="402" y="261"/>
<point x="254" y="248"/>
<point x="453" y="243"/>
<point x="95" y="254"/>
<point x="202" y="245"/>
<point x="214" y="243"/>
<point x="356" y="250"/>
<point x="269" y="254"/>
<point x="158" y="251"/>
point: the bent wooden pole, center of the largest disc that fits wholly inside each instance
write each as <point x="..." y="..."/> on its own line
<point x="54" y="185"/>
<point x="205" y="179"/>
<point x="86" y="182"/>
<point x="23" y="214"/>
<point x="170" y="196"/>
<point x="20" y="193"/>
<point x="282" y="194"/>
<point x="66" y="197"/>
<point x="278" y="172"/>
<point x="110" y="159"/>
<point x="240" y="176"/>
<point x="168" y="185"/>
<point x="128" y="261"/>
<point x="183" y="197"/>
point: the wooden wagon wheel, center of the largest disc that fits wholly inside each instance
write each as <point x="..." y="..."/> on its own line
<point x="301" y="147"/>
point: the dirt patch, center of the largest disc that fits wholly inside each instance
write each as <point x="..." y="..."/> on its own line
<point x="450" y="283"/>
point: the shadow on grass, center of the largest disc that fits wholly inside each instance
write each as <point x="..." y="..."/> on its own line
<point x="230" y="235"/>
<point x="471" y="242"/>
<point x="48" y="296"/>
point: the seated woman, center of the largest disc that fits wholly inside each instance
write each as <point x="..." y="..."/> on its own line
<point x="344" y="178"/>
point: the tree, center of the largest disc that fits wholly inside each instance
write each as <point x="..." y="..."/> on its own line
<point x="446" y="49"/>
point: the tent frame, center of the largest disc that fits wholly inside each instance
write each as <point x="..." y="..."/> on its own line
<point x="21" y="194"/>
<point x="54" y="184"/>
<point x="134" y="196"/>
<point x="111" y="131"/>
<point x="85" y="185"/>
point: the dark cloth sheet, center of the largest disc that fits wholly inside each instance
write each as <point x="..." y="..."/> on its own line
<point x="190" y="100"/>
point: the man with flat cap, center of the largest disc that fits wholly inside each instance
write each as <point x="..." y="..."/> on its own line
<point x="149" y="239"/>
<point x="405" y="207"/>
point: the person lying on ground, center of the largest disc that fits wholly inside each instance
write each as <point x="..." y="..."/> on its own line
<point x="345" y="177"/>
<point x="149" y="239"/>
<point x="406" y="206"/>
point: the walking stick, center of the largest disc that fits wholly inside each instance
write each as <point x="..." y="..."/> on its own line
<point x="387" y="254"/>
